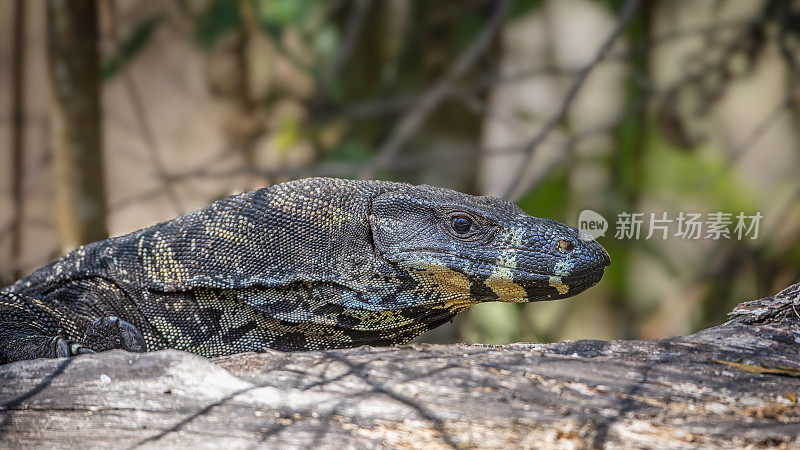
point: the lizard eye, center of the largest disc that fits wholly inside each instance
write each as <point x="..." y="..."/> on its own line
<point x="565" y="246"/>
<point x="467" y="228"/>
<point x="461" y="224"/>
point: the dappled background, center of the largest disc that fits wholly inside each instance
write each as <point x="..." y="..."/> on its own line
<point x="559" y="105"/>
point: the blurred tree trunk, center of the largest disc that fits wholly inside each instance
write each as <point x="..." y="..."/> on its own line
<point x="72" y="52"/>
<point x="17" y="135"/>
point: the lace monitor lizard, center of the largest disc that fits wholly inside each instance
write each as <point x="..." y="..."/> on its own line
<point x="318" y="263"/>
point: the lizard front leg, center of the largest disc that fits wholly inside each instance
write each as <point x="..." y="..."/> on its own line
<point x="31" y="329"/>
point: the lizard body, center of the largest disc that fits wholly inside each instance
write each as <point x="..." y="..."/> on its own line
<point x="310" y="264"/>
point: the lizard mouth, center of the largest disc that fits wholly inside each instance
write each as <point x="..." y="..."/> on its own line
<point x="492" y="282"/>
<point x="567" y="286"/>
<point x="425" y="259"/>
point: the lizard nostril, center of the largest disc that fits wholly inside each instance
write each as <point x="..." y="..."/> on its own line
<point x="565" y="246"/>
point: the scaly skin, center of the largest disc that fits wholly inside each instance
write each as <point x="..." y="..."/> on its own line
<point x="317" y="263"/>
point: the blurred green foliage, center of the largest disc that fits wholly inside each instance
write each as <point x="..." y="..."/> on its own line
<point x="130" y="46"/>
<point x="218" y="19"/>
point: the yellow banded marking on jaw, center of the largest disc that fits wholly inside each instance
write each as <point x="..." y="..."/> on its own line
<point x="501" y="282"/>
<point x="440" y="278"/>
<point x="559" y="285"/>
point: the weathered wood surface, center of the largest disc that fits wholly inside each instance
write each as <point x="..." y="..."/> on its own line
<point x="664" y="393"/>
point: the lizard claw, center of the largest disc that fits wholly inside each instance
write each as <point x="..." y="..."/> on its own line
<point x="64" y="348"/>
<point x="78" y="349"/>
<point x="107" y="333"/>
<point x="60" y="347"/>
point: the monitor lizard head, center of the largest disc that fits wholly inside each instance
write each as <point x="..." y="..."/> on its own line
<point x="483" y="248"/>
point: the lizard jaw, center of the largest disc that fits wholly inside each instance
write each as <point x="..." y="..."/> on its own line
<point x="485" y="282"/>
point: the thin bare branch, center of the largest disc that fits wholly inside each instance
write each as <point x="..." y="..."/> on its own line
<point x="151" y="143"/>
<point x="763" y="126"/>
<point x="369" y="109"/>
<point x="355" y="24"/>
<point x="413" y="119"/>
<point x="624" y="17"/>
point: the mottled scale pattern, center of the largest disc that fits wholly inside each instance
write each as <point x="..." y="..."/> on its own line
<point x="316" y="263"/>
